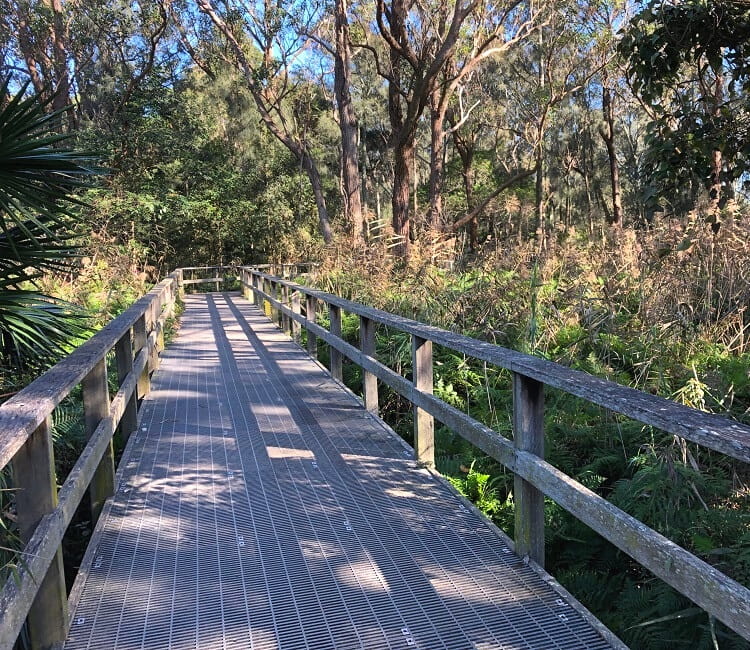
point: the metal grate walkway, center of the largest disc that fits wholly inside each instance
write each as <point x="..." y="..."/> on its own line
<point x="259" y="506"/>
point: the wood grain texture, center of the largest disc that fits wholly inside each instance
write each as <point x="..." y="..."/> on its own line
<point x="25" y="411"/>
<point x="528" y="435"/>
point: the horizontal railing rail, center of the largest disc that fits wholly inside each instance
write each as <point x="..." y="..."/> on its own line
<point x="37" y="591"/>
<point x="294" y="307"/>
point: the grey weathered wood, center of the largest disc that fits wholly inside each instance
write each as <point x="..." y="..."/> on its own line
<point x="214" y="280"/>
<point x="369" y="381"/>
<point x="24" y="412"/>
<point x="40" y="553"/>
<point x="295" y="325"/>
<point x="95" y="409"/>
<point x="706" y="586"/>
<point x="718" y="594"/>
<point x="424" y="424"/>
<point x="124" y="358"/>
<point x="528" y="435"/>
<point x="337" y="370"/>
<point x="310" y="314"/>
<point x="140" y="338"/>
<point x="36" y="496"/>
<point x="285" y="320"/>
<point x="712" y="431"/>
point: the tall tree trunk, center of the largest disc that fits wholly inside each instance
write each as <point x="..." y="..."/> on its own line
<point x="607" y="132"/>
<point x="403" y="160"/>
<point x="311" y="169"/>
<point x="437" y="159"/>
<point x="717" y="162"/>
<point x="348" y="124"/>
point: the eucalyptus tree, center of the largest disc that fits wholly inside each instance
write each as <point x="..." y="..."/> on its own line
<point x="263" y="45"/>
<point x="430" y="48"/>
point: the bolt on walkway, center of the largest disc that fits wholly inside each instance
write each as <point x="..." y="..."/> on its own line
<point x="260" y="506"/>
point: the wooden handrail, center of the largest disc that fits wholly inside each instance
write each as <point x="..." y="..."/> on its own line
<point x="36" y="593"/>
<point x="716" y="593"/>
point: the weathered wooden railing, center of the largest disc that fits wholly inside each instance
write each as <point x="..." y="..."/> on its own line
<point x="37" y="592"/>
<point x="294" y="306"/>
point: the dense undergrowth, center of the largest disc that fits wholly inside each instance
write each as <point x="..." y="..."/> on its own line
<point x="664" y="312"/>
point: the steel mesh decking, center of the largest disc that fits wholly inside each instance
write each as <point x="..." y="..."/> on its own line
<point x="261" y="507"/>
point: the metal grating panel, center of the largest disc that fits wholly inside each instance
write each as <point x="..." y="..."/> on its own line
<point x="261" y="507"/>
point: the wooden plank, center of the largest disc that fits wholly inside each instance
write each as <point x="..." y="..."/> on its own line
<point x="424" y="425"/>
<point x="706" y="586"/>
<point x="294" y="324"/>
<point x="528" y="435"/>
<point x="310" y="314"/>
<point x="709" y="430"/>
<point x="124" y="358"/>
<point x="23" y="413"/>
<point x="140" y="342"/>
<point x="337" y="370"/>
<point x="95" y="409"/>
<point x="36" y="496"/>
<point x="369" y="381"/>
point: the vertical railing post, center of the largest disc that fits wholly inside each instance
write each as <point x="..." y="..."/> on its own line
<point x="285" y="327"/>
<point x="334" y="314"/>
<point x="95" y="409"/>
<point x="312" y="341"/>
<point x="36" y="495"/>
<point x="528" y="435"/>
<point x="369" y="381"/>
<point x="424" y="425"/>
<point x="296" y="309"/>
<point x="140" y="342"/>
<point x="277" y="297"/>
<point x="180" y="283"/>
<point x="267" y="290"/>
<point x="159" y="329"/>
<point x="124" y="358"/>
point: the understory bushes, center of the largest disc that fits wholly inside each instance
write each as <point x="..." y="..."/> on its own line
<point x="665" y="313"/>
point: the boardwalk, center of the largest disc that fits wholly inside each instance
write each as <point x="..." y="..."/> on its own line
<point x="259" y="506"/>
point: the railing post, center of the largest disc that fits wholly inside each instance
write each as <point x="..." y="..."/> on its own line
<point x="156" y="307"/>
<point x="528" y="435"/>
<point x="95" y="409"/>
<point x="296" y="328"/>
<point x="140" y="341"/>
<point x="334" y="314"/>
<point x="36" y="495"/>
<point x="267" y="290"/>
<point x="369" y="381"/>
<point x="285" y="327"/>
<point x="180" y="283"/>
<point x="312" y="340"/>
<point x="424" y="425"/>
<point x="124" y="358"/>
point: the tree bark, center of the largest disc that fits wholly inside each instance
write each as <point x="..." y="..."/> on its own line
<point x="608" y="135"/>
<point x="351" y="179"/>
<point x="403" y="159"/>
<point x="437" y="160"/>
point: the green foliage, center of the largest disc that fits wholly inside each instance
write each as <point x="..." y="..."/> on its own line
<point x="37" y="177"/>
<point x="691" y="62"/>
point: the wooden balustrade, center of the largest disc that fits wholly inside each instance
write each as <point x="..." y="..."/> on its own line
<point x="535" y="478"/>
<point x="36" y="594"/>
